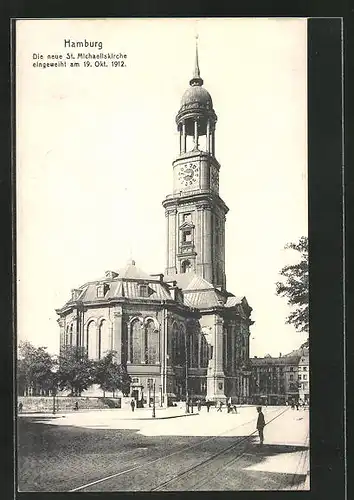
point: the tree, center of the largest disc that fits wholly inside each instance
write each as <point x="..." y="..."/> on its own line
<point x="295" y="286"/>
<point x="109" y="375"/>
<point x="76" y="372"/>
<point x="34" y="368"/>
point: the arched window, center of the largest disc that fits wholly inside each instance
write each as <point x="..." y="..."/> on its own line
<point x="104" y="339"/>
<point x="135" y="342"/>
<point x="186" y="266"/>
<point x="92" y="344"/>
<point x="174" y="343"/>
<point x="71" y="334"/>
<point x="181" y="346"/>
<point x="152" y="339"/>
<point x="66" y="336"/>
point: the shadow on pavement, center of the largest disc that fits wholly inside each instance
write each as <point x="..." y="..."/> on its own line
<point x="61" y="457"/>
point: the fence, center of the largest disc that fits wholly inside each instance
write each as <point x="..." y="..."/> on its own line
<point x="38" y="404"/>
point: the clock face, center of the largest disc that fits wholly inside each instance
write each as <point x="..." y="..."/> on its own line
<point x="188" y="174"/>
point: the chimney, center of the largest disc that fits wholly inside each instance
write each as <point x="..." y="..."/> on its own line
<point x="280" y="355"/>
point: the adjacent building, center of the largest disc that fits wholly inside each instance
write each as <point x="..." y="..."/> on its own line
<point x="277" y="380"/>
<point x="181" y="331"/>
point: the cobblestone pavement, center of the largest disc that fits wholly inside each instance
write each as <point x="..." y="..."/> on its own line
<point x="111" y="451"/>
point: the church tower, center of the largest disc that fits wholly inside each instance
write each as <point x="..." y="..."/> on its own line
<point x="195" y="213"/>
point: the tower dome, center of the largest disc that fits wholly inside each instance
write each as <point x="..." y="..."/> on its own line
<point x="196" y="104"/>
<point x="197" y="95"/>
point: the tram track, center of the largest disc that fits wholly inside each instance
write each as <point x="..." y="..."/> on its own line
<point x="177" y="452"/>
<point x="209" y="460"/>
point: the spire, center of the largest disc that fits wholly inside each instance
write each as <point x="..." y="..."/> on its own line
<point x="196" y="80"/>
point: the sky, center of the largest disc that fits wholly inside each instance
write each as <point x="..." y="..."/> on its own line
<point x="95" y="147"/>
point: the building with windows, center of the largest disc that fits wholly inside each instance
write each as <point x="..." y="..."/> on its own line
<point x="277" y="380"/>
<point x="182" y="330"/>
<point x="304" y="375"/>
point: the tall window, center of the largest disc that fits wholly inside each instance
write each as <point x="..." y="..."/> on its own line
<point x="71" y="335"/>
<point x="152" y="339"/>
<point x="186" y="266"/>
<point x="104" y="339"/>
<point x="143" y="291"/>
<point x="92" y="344"/>
<point x="187" y="236"/>
<point x="187" y="217"/>
<point x="135" y="342"/>
<point x="175" y="344"/>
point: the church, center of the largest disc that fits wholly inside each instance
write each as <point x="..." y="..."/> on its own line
<point x="182" y="330"/>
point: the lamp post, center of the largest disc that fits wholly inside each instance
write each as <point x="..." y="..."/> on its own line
<point x="54" y="370"/>
<point x="186" y="372"/>
<point x="160" y="395"/>
<point x="153" y="402"/>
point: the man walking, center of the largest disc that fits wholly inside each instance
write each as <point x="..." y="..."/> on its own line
<point x="260" y="425"/>
<point x="132" y="404"/>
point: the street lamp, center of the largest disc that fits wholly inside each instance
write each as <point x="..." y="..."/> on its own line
<point x="186" y="374"/>
<point x="54" y="370"/>
<point x="153" y="402"/>
<point x="160" y="395"/>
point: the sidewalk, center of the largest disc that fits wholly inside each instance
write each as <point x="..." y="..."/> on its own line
<point x="121" y="414"/>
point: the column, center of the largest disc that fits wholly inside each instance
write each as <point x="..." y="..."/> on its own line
<point x="129" y="341"/>
<point x="208" y="136"/>
<point x="117" y="336"/>
<point x="180" y="138"/>
<point x="196" y="134"/>
<point x="62" y="330"/>
<point x="184" y="136"/>
<point x="207" y="245"/>
<point x="142" y="344"/>
<point x="218" y="344"/>
<point x="199" y="240"/>
<point x="199" y="347"/>
<point x="171" y="240"/>
<point x="233" y="347"/>
<point x="213" y="141"/>
<point x="167" y="239"/>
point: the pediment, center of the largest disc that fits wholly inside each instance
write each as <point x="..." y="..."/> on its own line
<point x="186" y="225"/>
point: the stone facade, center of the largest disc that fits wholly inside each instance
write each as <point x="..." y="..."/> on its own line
<point x="183" y="330"/>
<point x="277" y="380"/>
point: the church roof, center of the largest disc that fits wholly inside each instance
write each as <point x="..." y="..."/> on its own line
<point x="233" y="301"/>
<point x="131" y="271"/>
<point x="198" y="283"/>
<point x="125" y="283"/>
<point x="120" y="288"/>
<point x="203" y="299"/>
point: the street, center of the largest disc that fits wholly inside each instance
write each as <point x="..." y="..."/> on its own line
<point x="114" y="450"/>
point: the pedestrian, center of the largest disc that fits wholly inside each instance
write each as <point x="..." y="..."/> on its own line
<point x="229" y="405"/>
<point x="292" y="405"/>
<point x="208" y="404"/>
<point x="260" y="425"/>
<point x="234" y="408"/>
<point x="132" y="404"/>
<point x="20" y="407"/>
<point x="76" y="406"/>
<point x="199" y="404"/>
